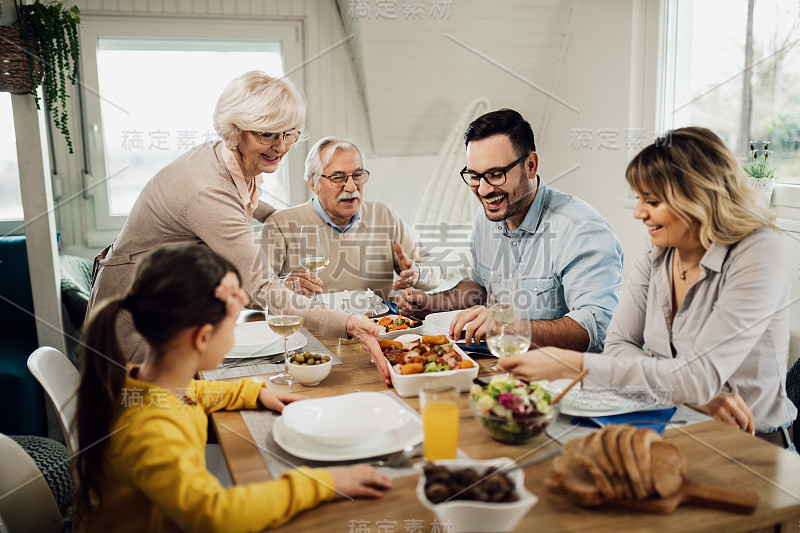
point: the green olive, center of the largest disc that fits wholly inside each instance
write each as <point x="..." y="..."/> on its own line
<point x="326" y="358"/>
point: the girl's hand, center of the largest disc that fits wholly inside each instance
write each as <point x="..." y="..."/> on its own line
<point x="277" y="400"/>
<point x="729" y="407"/>
<point x="359" y="481"/>
<point x="365" y="331"/>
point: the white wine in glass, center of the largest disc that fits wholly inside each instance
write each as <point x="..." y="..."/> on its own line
<point x="314" y="249"/>
<point x="286" y="326"/>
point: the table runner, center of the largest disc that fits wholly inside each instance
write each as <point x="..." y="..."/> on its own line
<point x="278" y="461"/>
<point x="242" y="368"/>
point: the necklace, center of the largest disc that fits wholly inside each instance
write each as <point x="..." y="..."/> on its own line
<point x="681" y="271"/>
<point x="251" y="186"/>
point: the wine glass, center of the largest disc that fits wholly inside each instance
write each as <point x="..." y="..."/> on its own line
<point x="286" y="326"/>
<point x="508" y="330"/>
<point x="314" y="250"/>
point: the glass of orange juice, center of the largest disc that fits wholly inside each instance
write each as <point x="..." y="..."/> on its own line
<point x="440" y="413"/>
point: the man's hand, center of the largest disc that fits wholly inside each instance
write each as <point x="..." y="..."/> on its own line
<point x="472" y="322"/>
<point x="413" y="301"/>
<point x="729" y="407"/>
<point x="409" y="270"/>
<point x="277" y="400"/>
<point x="365" y="331"/>
<point x="309" y="282"/>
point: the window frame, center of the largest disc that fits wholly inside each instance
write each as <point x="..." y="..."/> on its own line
<point x="102" y="227"/>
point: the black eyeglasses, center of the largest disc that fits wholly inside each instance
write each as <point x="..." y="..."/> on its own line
<point x="289" y="137"/>
<point x="494" y="177"/>
<point x="360" y="177"/>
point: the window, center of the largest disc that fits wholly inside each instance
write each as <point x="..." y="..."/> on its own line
<point x="705" y="78"/>
<point x="10" y="197"/>
<point x="156" y="86"/>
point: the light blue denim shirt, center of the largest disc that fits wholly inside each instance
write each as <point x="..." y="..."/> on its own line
<point x="327" y="219"/>
<point x="568" y="258"/>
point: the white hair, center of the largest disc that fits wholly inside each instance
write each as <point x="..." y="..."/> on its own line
<point x="314" y="162"/>
<point x="257" y="102"/>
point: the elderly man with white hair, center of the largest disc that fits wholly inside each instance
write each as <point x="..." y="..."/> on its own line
<point x="369" y="241"/>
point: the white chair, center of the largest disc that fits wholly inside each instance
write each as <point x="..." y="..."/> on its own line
<point x="26" y="503"/>
<point x="60" y="380"/>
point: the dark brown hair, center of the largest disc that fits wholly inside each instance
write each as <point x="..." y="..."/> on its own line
<point x="172" y="289"/>
<point x="503" y="122"/>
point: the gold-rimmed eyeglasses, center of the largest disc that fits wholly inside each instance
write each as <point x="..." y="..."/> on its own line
<point x="289" y="137"/>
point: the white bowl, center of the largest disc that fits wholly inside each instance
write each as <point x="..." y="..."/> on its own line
<point x="408" y="385"/>
<point x="347" y="419"/>
<point x="309" y="375"/>
<point x="398" y="333"/>
<point x="469" y="515"/>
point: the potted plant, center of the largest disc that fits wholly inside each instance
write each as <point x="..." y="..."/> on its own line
<point x="50" y="27"/>
<point x="761" y="175"/>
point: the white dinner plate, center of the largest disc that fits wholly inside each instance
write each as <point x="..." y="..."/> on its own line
<point x="409" y="434"/>
<point x="591" y="403"/>
<point x="346" y="419"/>
<point x="439" y="323"/>
<point x="255" y="339"/>
<point x="358" y="301"/>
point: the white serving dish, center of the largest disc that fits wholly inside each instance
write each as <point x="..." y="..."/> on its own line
<point x="309" y="375"/>
<point x="394" y="334"/>
<point x="439" y="323"/>
<point x="408" y="385"/>
<point x="301" y="446"/>
<point x="347" y="419"/>
<point x="255" y="339"/>
<point x="468" y="515"/>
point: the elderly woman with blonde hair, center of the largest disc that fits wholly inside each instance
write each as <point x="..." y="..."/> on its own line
<point x="704" y="318"/>
<point x="209" y="195"/>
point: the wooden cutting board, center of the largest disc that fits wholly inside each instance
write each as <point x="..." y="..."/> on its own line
<point x="737" y="501"/>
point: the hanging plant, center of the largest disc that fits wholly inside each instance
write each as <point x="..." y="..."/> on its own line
<point x="55" y="31"/>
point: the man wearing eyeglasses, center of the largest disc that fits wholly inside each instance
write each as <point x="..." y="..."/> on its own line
<point x="566" y="255"/>
<point x="369" y="242"/>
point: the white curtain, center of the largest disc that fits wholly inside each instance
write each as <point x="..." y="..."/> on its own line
<point x="447" y="206"/>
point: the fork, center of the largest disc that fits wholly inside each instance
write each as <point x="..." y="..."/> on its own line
<point x="272" y="359"/>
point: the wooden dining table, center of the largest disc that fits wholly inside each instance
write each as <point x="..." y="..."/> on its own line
<point x="717" y="454"/>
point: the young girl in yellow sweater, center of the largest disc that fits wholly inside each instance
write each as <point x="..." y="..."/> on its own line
<point x="142" y="430"/>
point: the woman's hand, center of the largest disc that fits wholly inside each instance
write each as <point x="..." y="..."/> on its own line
<point x="365" y="331"/>
<point x="472" y="322"/>
<point x="544" y="363"/>
<point x="310" y="284"/>
<point x="277" y="400"/>
<point x="729" y="407"/>
<point x="359" y="481"/>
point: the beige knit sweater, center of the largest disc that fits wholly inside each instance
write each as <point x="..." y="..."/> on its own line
<point x="362" y="257"/>
<point x="196" y="199"/>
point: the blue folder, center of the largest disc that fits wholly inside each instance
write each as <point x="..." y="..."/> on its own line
<point x="655" y="419"/>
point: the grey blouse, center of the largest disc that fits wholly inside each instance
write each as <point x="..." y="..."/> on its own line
<point x="731" y="332"/>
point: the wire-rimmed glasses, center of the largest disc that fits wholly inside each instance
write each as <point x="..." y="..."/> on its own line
<point x="494" y="176"/>
<point x="360" y="177"/>
<point x="289" y="137"/>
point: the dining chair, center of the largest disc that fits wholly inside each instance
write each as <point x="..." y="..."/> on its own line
<point x="60" y="380"/>
<point x="27" y="503"/>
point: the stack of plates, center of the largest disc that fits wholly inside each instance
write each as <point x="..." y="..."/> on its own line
<point x="346" y="427"/>
<point x="591" y="403"/>
<point x="358" y="302"/>
<point x="255" y="339"/>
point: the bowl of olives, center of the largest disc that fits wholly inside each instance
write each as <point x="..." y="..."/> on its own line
<point x="472" y="495"/>
<point x="309" y="368"/>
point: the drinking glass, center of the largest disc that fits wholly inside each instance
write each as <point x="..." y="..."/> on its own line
<point x="508" y="330"/>
<point x="286" y="326"/>
<point x="440" y="414"/>
<point x="314" y="250"/>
